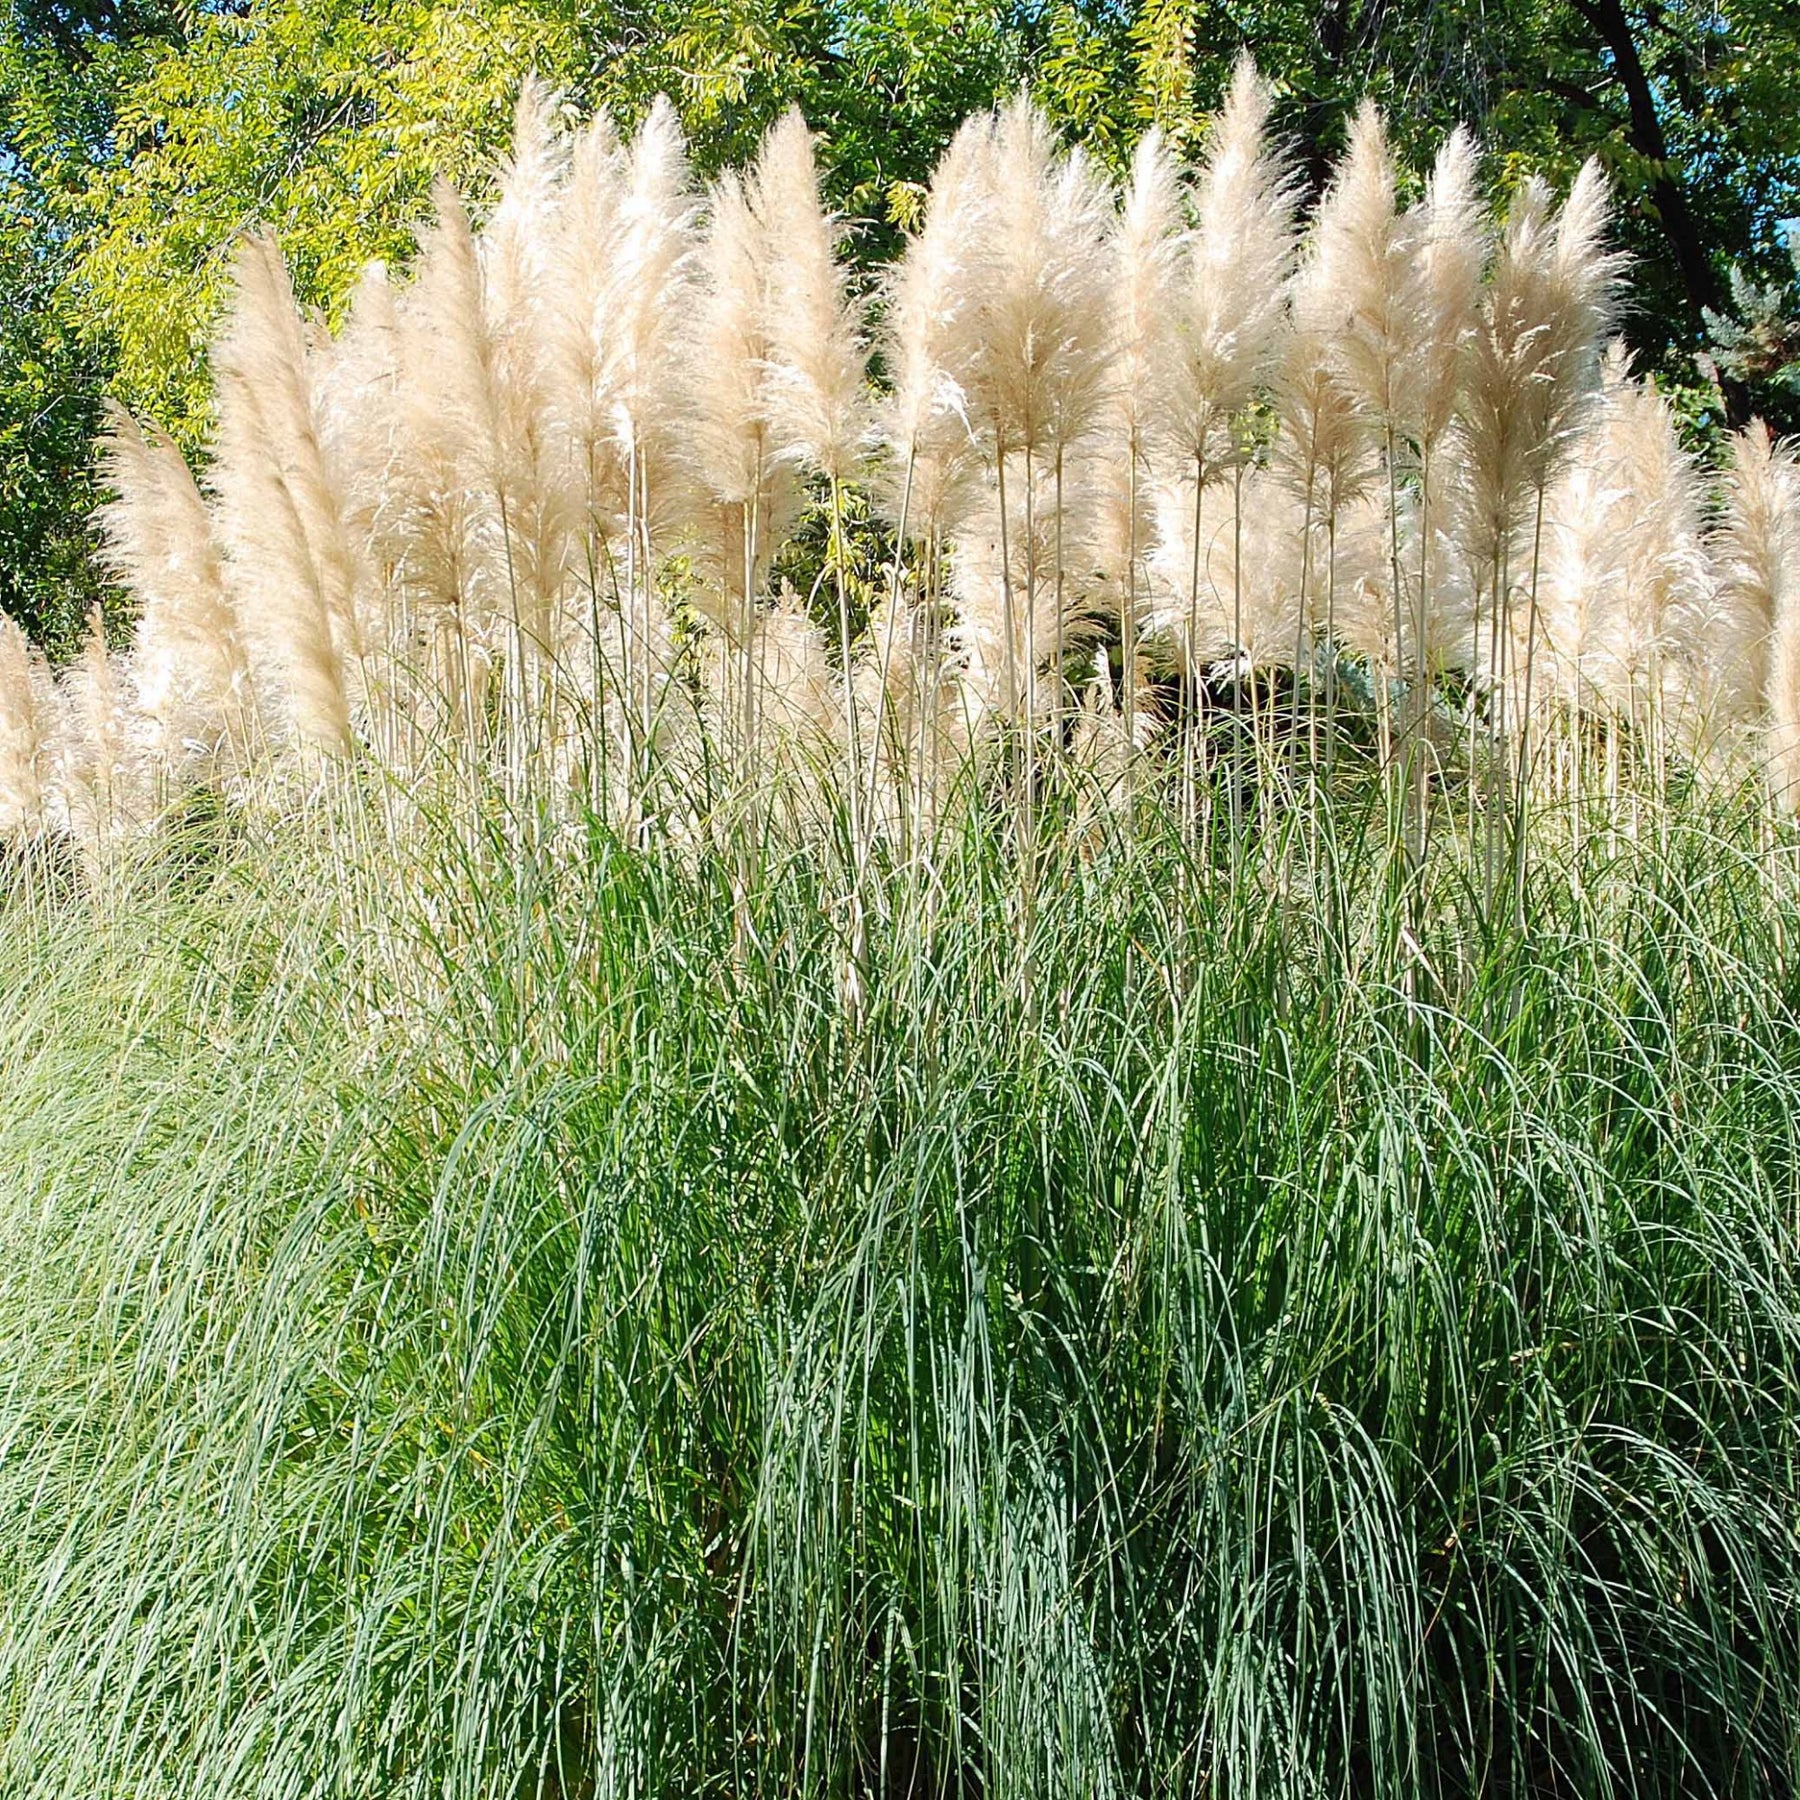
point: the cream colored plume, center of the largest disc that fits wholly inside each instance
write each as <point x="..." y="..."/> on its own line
<point x="1362" y="606"/>
<point x="913" y="720"/>
<point x="933" y="296"/>
<point x="1145" y="250"/>
<point x="1754" y="662"/>
<point x="1365" y="300"/>
<point x="280" y="509"/>
<point x="1450" y="245"/>
<point x="539" y="492"/>
<point x="1324" y="450"/>
<point x="355" y="380"/>
<point x="1755" y="550"/>
<point x="1010" y="613"/>
<point x="583" y="340"/>
<point x="729" y="351"/>
<point x="98" y="774"/>
<point x="818" y="412"/>
<point x="648" y="293"/>
<point x="1231" y="297"/>
<point x="1033" y="362"/>
<point x="1650" y="625"/>
<point x="1248" y="576"/>
<point x="1533" y="360"/>
<point x="188" y="665"/>
<point x="27" y="716"/>
<point x="654" y="251"/>
<point x="621" y="259"/>
<point x="743" y="494"/>
<point x="1622" y="582"/>
<point x="799" y="697"/>
<point x="442" y="514"/>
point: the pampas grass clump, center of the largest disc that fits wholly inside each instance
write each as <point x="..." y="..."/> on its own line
<point x="761" y="1044"/>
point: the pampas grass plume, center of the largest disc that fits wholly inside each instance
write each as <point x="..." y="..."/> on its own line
<point x="1756" y="640"/>
<point x="26" y="718"/>
<point x="934" y="294"/>
<point x="1451" y="246"/>
<point x="1238" y="259"/>
<point x="1038" y="343"/>
<point x="278" y="508"/>
<point x="729" y="350"/>
<point x="1367" y="280"/>
<point x="188" y="661"/>
<point x="816" y="399"/>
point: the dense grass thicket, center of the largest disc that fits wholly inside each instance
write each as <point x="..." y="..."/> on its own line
<point x="490" y="1310"/>
<point x="1062" y="1063"/>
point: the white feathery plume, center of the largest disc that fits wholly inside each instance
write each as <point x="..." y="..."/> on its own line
<point x="650" y="269"/>
<point x="189" y="670"/>
<point x="818" y="414"/>
<point x="1230" y="307"/>
<point x="1663" y="594"/>
<point x="1364" y="617"/>
<point x="1034" y="358"/>
<point x="517" y="242"/>
<point x="1783" y="690"/>
<point x="991" y="635"/>
<point x="95" y="766"/>
<point x="1533" y="362"/>
<point x="1324" y="449"/>
<point x="355" y="381"/>
<point x="1145" y="250"/>
<point x="1755" y="551"/>
<point x="449" y="472"/>
<point x="1368" y="289"/>
<point x="1245" y="612"/>
<point x="932" y="462"/>
<point x="537" y="490"/>
<point x="583" y="294"/>
<point x="1582" y="568"/>
<point x="934" y="294"/>
<point x="1450" y="242"/>
<point x="745" y="492"/>
<point x="645" y="296"/>
<point x="1749" y="657"/>
<point x="1227" y="327"/>
<point x="1371" y="279"/>
<point x="817" y="356"/>
<point x="728" y="353"/>
<point x="799" y="698"/>
<point x="26" y="719"/>
<point x="642" y="253"/>
<point x="279" y="509"/>
<point x="1450" y="245"/>
<point x="1034" y="363"/>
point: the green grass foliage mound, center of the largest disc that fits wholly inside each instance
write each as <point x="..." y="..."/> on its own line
<point x="517" y="1315"/>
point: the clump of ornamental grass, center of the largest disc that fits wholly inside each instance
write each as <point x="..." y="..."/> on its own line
<point x="486" y="1314"/>
<point x="631" y="1163"/>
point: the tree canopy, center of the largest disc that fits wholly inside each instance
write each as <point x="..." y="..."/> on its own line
<point x="140" y="139"/>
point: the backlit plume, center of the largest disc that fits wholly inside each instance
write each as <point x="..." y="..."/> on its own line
<point x="651" y="495"/>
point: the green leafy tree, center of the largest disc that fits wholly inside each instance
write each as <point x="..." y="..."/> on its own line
<point x="1756" y="344"/>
